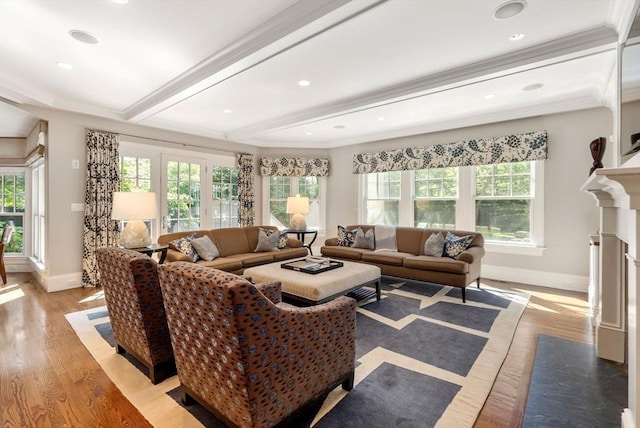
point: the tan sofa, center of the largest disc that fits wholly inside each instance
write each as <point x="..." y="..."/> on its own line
<point x="409" y="260"/>
<point x="236" y="246"/>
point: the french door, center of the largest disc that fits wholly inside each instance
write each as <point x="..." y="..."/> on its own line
<point x="184" y="185"/>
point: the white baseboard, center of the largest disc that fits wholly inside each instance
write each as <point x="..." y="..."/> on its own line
<point x="17" y="264"/>
<point x="536" y="277"/>
<point x="627" y="419"/>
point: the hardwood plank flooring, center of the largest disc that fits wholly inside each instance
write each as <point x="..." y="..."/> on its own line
<point x="49" y="379"/>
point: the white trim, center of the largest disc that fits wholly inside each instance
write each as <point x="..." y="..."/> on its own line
<point x="627" y="419"/>
<point x="560" y="281"/>
<point x="509" y="248"/>
<point x="51" y="284"/>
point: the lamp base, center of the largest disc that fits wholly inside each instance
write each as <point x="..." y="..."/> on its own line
<point x="298" y="222"/>
<point x="135" y="235"/>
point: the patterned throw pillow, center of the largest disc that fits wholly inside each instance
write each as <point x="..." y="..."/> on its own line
<point x="267" y="240"/>
<point x="184" y="246"/>
<point x="454" y="245"/>
<point x="364" y="240"/>
<point x="434" y="246"/>
<point x="283" y="241"/>
<point x="205" y="248"/>
<point x="346" y="237"/>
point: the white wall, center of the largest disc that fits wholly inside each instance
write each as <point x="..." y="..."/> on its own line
<point x="570" y="215"/>
<point x="66" y="141"/>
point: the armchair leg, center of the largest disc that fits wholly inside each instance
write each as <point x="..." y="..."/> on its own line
<point x="347" y="385"/>
<point x="478" y="282"/>
<point x="185" y="397"/>
<point x="464" y="295"/>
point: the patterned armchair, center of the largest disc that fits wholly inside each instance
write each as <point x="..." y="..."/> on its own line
<point x="250" y="359"/>
<point x="134" y="302"/>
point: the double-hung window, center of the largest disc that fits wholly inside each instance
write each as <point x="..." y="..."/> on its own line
<point x="382" y="198"/>
<point x="505" y="202"/>
<point x="435" y="196"/>
<point x="279" y="188"/>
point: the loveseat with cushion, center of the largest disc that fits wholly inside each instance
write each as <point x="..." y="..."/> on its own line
<point x="402" y="253"/>
<point x="234" y="248"/>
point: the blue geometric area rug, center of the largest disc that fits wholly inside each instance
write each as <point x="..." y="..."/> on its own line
<point x="572" y="387"/>
<point x="423" y="359"/>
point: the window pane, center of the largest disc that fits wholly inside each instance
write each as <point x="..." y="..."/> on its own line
<point x="383" y="212"/>
<point x="279" y="216"/>
<point x="224" y="197"/>
<point x="435" y="214"/>
<point x="504" y="220"/>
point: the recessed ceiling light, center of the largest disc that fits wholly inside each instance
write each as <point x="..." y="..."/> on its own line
<point x="339" y="127"/>
<point x="517" y="36"/>
<point x="304" y="83"/>
<point x="381" y="118"/>
<point x="309" y="133"/>
<point x="64" y="65"/>
<point x="121" y="1"/>
<point x="489" y="96"/>
<point x="227" y="110"/>
<point x="84" y="37"/>
<point x="533" y="87"/>
<point x="509" y="9"/>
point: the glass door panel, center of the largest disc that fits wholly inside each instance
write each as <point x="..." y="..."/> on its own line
<point x="181" y="204"/>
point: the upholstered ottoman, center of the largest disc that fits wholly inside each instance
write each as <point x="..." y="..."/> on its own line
<point x="319" y="288"/>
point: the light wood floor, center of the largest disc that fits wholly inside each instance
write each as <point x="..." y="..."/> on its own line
<point x="49" y="379"/>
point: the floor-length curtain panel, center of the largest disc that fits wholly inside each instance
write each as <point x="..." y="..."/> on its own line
<point x="102" y="180"/>
<point x="246" y="197"/>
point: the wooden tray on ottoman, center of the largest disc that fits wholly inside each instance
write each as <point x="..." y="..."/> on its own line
<point x="312" y="266"/>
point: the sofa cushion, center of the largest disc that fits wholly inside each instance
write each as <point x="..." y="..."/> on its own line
<point x="222" y="263"/>
<point x="205" y="248"/>
<point x="289" y="253"/>
<point x="252" y="259"/>
<point x="454" y="245"/>
<point x="345" y="236"/>
<point x="434" y="246"/>
<point x="364" y="239"/>
<point x="184" y="246"/>
<point x="439" y="264"/>
<point x="392" y="258"/>
<point x="410" y="240"/>
<point x="232" y="240"/>
<point x="343" y="252"/>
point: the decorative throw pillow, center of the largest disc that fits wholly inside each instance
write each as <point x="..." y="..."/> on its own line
<point x="283" y="240"/>
<point x="267" y="240"/>
<point x="205" y="248"/>
<point x="184" y="246"/>
<point x="454" y="245"/>
<point x="345" y="236"/>
<point x="364" y="240"/>
<point x="385" y="238"/>
<point x="434" y="246"/>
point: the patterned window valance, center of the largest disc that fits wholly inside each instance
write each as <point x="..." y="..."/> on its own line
<point x="294" y="167"/>
<point x="483" y="151"/>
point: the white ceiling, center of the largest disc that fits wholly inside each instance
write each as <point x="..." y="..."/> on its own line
<point x="378" y="69"/>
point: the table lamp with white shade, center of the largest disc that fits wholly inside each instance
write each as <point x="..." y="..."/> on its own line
<point x="134" y="207"/>
<point x="298" y="206"/>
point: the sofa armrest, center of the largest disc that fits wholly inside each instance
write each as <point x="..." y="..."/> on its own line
<point x="294" y="243"/>
<point x="177" y="256"/>
<point x="271" y="290"/>
<point x="331" y="241"/>
<point x="471" y="254"/>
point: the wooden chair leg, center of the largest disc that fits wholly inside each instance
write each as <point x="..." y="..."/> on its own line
<point x="3" y="272"/>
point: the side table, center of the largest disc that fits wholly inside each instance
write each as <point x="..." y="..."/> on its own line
<point x="154" y="248"/>
<point x="301" y="234"/>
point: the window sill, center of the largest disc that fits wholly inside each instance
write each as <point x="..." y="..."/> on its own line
<point x="520" y="250"/>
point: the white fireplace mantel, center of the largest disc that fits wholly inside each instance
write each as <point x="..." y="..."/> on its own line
<point x="617" y="192"/>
